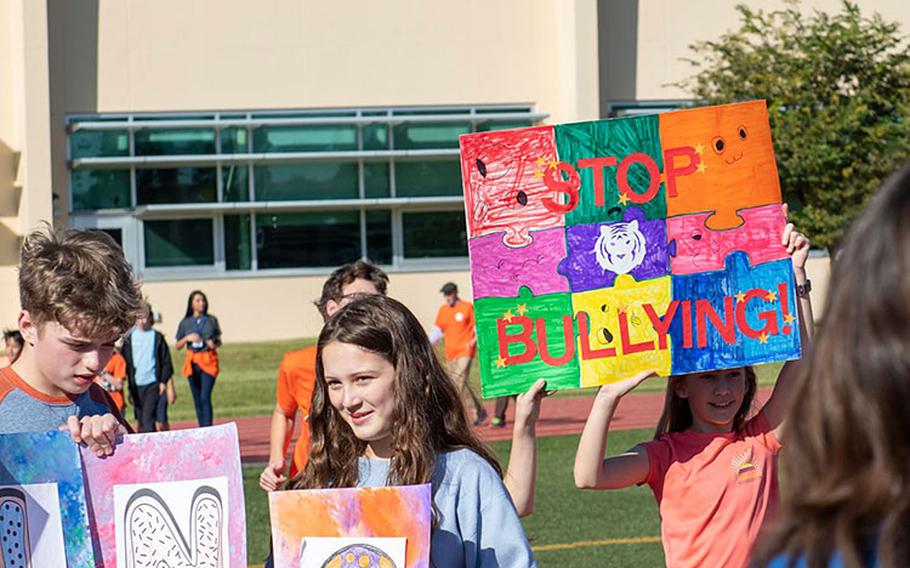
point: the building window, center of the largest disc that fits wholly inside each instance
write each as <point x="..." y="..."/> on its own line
<point x="292" y="190"/>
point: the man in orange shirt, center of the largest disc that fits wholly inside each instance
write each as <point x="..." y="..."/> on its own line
<point x="297" y="373"/>
<point x="455" y="324"/>
<point x="112" y="378"/>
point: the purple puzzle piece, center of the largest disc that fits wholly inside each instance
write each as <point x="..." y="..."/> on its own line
<point x="699" y="249"/>
<point x="601" y="251"/>
<point x="498" y="270"/>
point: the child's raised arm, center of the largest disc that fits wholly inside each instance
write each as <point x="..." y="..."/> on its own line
<point x="521" y="476"/>
<point x="778" y="404"/>
<point x="592" y="471"/>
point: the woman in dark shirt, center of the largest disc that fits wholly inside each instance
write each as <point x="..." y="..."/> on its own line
<point x="201" y="335"/>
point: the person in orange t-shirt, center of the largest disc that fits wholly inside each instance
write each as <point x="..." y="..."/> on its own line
<point x="111" y="379"/>
<point x="712" y="469"/>
<point x="297" y="372"/>
<point x="455" y="325"/>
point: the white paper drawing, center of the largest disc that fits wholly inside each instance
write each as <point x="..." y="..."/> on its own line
<point x="620" y="247"/>
<point x="31" y="526"/>
<point x="178" y="524"/>
<point x="353" y="552"/>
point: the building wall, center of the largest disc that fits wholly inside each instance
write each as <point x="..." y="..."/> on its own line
<point x="93" y="56"/>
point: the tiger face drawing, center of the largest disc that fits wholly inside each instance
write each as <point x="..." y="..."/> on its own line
<point x="620" y="247"/>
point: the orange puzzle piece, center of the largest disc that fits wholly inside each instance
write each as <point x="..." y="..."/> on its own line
<point x="736" y="168"/>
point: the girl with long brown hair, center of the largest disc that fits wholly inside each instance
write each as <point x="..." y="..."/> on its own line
<point x="846" y="500"/>
<point x="713" y="471"/>
<point x="384" y="412"/>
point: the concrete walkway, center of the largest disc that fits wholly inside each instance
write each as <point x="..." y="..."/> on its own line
<point x="558" y="417"/>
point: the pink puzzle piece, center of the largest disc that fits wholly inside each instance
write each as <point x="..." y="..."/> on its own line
<point x="699" y="249"/>
<point x="499" y="270"/>
<point x="503" y="176"/>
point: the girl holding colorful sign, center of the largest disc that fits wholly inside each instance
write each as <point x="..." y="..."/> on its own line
<point x="384" y="412"/>
<point x="712" y="469"/>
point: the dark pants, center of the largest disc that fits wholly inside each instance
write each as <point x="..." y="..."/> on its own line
<point x="161" y="411"/>
<point x="201" y="385"/>
<point x="146" y="405"/>
<point x="502" y="403"/>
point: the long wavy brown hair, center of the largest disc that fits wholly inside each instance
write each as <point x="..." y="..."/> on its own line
<point x="677" y="415"/>
<point x="428" y="419"/>
<point x="847" y="464"/>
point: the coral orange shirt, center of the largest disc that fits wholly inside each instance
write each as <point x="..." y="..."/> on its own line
<point x="457" y="325"/>
<point x="714" y="492"/>
<point x="117" y="367"/>
<point x="296" y="381"/>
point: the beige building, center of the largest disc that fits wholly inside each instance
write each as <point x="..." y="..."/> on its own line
<point x="245" y="148"/>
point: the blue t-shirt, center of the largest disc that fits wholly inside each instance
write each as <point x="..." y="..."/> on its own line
<point x="143" y="348"/>
<point x="478" y="526"/>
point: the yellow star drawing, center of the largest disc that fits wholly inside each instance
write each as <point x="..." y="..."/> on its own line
<point x="522" y="309"/>
<point x="501" y="362"/>
<point x="771" y="297"/>
<point x="507" y="315"/>
<point x="699" y="149"/>
<point x="623" y="198"/>
<point x="701" y="167"/>
<point x="540" y="161"/>
<point x="763" y="338"/>
<point x="789" y="318"/>
<point x="538" y="174"/>
<point x="740" y="297"/>
<point x="553" y="163"/>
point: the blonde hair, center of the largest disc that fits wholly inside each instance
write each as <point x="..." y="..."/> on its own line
<point x="677" y="416"/>
<point x="80" y="279"/>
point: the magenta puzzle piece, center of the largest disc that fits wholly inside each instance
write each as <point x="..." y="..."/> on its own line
<point x="503" y="174"/>
<point x="699" y="249"/>
<point x="499" y="270"/>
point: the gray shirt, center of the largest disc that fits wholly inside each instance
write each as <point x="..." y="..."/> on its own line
<point x="206" y="326"/>
<point x="24" y="409"/>
<point x="478" y="526"/>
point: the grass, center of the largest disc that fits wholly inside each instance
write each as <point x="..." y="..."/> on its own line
<point x="563" y="514"/>
<point x="246" y="385"/>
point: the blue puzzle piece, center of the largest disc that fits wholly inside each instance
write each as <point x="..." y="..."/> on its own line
<point x="734" y="317"/>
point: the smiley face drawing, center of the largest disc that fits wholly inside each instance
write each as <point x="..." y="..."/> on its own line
<point x="737" y="168"/>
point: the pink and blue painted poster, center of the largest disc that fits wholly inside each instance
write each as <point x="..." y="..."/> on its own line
<point x="169" y="499"/>
<point x="605" y="248"/>
<point x="369" y="527"/>
<point x="42" y="498"/>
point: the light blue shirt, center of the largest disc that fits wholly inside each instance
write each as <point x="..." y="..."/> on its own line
<point x="478" y="526"/>
<point x="143" y="341"/>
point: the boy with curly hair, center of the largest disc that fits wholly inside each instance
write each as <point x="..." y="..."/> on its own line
<point x="78" y="296"/>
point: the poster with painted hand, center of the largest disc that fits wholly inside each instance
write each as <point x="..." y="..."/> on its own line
<point x="42" y="498"/>
<point x="601" y="249"/>
<point x="169" y="499"/>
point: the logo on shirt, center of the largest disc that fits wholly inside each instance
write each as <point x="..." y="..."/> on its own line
<point x="744" y="466"/>
<point x="459" y="317"/>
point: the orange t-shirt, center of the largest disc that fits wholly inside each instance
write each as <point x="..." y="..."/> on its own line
<point x="714" y="492"/>
<point x="117" y="367"/>
<point x="296" y="381"/>
<point x="457" y="325"/>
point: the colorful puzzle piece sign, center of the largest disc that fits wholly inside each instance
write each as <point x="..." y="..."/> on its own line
<point x="604" y="248"/>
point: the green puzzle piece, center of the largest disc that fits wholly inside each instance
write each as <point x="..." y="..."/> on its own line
<point x="619" y="138"/>
<point x="523" y="311"/>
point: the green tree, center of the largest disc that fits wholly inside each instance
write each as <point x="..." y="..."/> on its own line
<point x="838" y="93"/>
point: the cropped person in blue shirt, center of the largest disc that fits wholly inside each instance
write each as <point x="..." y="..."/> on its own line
<point x="846" y="500"/>
<point x="385" y="413"/>
<point x="149" y="368"/>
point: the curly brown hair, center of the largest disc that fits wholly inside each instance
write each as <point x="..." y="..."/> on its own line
<point x="429" y="417"/>
<point x="80" y="279"/>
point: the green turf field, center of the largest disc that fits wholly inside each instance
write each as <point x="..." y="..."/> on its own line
<point x="246" y="385"/>
<point x="569" y="527"/>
